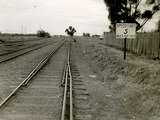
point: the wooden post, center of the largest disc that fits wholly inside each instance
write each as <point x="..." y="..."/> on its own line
<point x="125" y="48"/>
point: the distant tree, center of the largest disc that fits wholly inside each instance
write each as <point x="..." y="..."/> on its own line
<point x="70" y="31"/>
<point x="129" y="11"/>
<point x="2" y="41"/>
<point x="86" y="34"/>
<point x="42" y="33"/>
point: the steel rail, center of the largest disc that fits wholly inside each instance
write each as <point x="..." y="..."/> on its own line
<point x="65" y="81"/>
<point x="65" y="96"/>
<point x="31" y="75"/>
<point x="64" y="74"/>
<point x="68" y="76"/>
<point x="42" y="63"/>
<point x="71" y="94"/>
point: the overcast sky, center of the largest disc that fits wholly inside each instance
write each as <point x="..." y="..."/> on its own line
<point x="54" y="16"/>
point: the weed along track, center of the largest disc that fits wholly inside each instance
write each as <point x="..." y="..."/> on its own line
<point x="54" y="90"/>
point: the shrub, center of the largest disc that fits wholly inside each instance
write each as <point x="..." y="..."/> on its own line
<point x="42" y="33"/>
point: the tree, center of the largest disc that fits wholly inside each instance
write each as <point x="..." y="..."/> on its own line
<point x="42" y="33"/>
<point x="70" y="31"/>
<point x="129" y="11"/>
<point x="86" y="34"/>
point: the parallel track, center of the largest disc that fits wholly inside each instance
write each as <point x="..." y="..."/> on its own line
<point x="17" y="53"/>
<point x="31" y="75"/>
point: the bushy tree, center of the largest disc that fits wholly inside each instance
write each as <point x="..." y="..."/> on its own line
<point x="70" y="31"/>
<point x="86" y="34"/>
<point x="131" y="12"/>
<point x="42" y="33"/>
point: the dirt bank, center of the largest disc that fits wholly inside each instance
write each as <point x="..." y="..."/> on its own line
<point x="130" y="90"/>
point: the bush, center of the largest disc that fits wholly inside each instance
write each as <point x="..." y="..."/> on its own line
<point x="42" y="33"/>
<point x="86" y="35"/>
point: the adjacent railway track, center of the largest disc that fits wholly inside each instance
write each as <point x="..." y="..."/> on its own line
<point x="16" y="53"/>
<point x="38" y="96"/>
<point x="31" y="75"/>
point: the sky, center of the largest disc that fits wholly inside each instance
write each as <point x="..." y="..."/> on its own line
<point x="151" y="25"/>
<point x="54" y="16"/>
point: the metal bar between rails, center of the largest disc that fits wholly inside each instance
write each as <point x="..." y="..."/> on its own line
<point x="68" y="77"/>
<point x="65" y="96"/>
<point x="65" y="88"/>
<point x="70" y="90"/>
<point x="71" y="94"/>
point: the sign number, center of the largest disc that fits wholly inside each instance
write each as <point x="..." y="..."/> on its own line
<point x="125" y="30"/>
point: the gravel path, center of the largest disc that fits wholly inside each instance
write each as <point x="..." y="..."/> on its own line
<point x="119" y="90"/>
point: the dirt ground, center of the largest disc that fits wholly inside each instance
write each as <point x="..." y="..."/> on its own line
<point x="120" y="90"/>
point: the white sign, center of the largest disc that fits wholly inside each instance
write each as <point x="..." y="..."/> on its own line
<point x="125" y="30"/>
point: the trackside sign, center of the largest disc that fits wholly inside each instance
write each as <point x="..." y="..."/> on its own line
<point x="125" y="30"/>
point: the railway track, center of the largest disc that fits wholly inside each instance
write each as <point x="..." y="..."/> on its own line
<point x="13" y="54"/>
<point x="67" y="106"/>
<point x="75" y="96"/>
<point x="55" y="92"/>
<point x="38" y="99"/>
